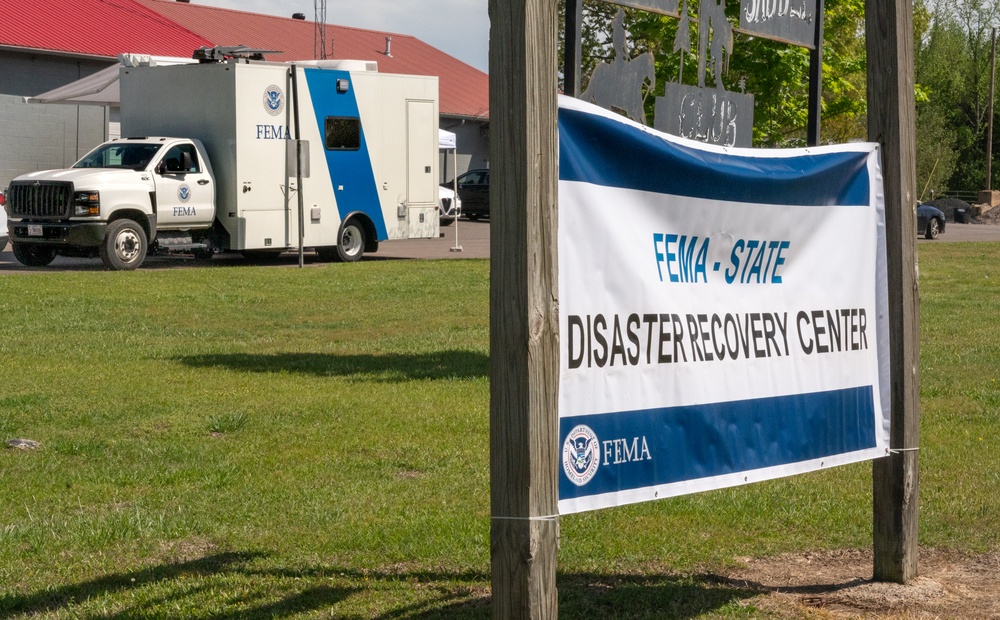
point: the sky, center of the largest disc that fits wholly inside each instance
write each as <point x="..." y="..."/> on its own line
<point x="460" y="28"/>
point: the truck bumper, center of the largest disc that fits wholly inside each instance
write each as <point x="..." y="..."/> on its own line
<point x="81" y="234"/>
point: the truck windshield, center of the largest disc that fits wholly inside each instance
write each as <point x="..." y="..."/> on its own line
<point x="119" y="155"/>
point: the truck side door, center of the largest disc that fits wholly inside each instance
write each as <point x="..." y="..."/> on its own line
<point x="185" y="191"/>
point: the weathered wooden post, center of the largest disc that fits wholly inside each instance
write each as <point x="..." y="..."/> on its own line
<point x="524" y="356"/>
<point x="891" y="123"/>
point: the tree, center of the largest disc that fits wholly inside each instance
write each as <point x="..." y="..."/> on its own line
<point x="952" y="60"/>
<point x="775" y="73"/>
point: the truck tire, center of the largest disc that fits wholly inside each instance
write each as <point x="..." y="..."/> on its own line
<point x="261" y="256"/>
<point x="33" y="254"/>
<point x="351" y="244"/>
<point x="125" y="245"/>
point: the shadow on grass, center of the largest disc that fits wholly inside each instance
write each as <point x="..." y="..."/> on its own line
<point x="151" y="592"/>
<point x="389" y="368"/>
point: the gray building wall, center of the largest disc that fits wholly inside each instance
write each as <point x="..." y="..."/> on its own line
<point x="473" y="139"/>
<point x="36" y="136"/>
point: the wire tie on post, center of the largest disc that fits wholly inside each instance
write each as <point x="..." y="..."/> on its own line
<point x="545" y="518"/>
<point x="900" y="450"/>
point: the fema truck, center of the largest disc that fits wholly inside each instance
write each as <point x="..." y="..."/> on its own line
<point x="229" y="154"/>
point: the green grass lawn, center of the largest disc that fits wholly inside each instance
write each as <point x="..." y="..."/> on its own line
<point x="241" y="442"/>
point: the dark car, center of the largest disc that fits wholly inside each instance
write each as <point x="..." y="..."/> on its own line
<point x="3" y="224"/>
<point x="474" y="193"/>
<point x="930" y="221"/>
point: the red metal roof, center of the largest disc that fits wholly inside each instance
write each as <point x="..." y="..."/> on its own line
<point x="464" y="90"/>
<point x="102" y="28"/>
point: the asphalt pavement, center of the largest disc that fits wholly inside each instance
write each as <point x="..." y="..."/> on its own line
<point x="473" y="241"/>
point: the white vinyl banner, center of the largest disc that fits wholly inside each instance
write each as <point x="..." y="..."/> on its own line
<point x="723" y="312"/>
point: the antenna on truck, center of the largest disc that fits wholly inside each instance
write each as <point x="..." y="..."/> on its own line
<point x="238" y="53"/>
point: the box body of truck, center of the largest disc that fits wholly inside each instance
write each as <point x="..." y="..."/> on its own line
<point x="370" y="150"/>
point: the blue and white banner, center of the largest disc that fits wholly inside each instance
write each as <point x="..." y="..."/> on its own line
<point x="723" y="312"/>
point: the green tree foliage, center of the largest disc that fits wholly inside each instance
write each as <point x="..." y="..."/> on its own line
<point x="775" y="73"/>
<point x="952" y="63"/>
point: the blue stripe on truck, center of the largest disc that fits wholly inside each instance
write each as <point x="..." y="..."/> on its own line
<point x="351" y="170"/>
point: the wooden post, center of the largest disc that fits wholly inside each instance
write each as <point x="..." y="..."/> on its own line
<point x="524" y="357"/>
<point x="891" y="123"/>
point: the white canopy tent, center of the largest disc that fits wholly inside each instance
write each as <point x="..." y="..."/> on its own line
<point x="448" y="142"/>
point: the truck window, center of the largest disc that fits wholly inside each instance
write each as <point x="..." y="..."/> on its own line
<point x="175" y="156"/>
<point x="119" y="155"/>
<point x="343" y="133"/>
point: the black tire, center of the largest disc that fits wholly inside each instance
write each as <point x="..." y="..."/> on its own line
<point x="447" y="221"/>
<point x="33" y="254"/>
<point x="262" y="256"/>
<point x="125" y="245"/>
<point x="328" y="254"/>
<point x="933" y="229"/>
<point x="473" y="216"/>
<point x="352" y="241"/>
<point x="204" y="255"/>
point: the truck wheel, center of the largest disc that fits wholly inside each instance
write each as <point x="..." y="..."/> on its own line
<point x="204" y="255"/>
<point x="328" y="254"/>
<point x="124" y="247"/>
<point x="352" y="242"/>
<point x="33" y="254"/>
<point x="261" y="256"/>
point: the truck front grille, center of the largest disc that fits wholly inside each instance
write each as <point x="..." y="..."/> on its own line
<point x="40" y="199"/>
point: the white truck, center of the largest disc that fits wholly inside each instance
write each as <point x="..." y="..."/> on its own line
<point x="252" y="157"/>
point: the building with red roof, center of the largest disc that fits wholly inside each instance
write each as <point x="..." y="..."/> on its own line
<point x="42" y="49"/>
<point x="93" y="28"/>
<point x="464" y="89"/>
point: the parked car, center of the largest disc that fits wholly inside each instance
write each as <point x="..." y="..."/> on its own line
<point x="448" y="208"/>
<point x="3" y="223"/>
<point x="930" y="221"/>
<point x="474" y="193"/>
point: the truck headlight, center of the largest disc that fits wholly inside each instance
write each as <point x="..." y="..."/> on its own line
<point x="86" y="203"/>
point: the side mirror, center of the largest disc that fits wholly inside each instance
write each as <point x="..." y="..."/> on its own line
<point x="161" y="168"/>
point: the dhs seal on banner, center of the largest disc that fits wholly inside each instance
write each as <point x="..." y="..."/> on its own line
<point x="581" y="455"/>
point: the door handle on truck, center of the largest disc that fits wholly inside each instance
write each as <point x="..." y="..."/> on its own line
<point x="203" y="182"/>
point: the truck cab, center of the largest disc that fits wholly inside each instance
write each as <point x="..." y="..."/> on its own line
<point x="117" y="202"/>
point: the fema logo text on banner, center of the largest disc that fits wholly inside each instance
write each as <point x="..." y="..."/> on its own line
<point x="717" y="326"/>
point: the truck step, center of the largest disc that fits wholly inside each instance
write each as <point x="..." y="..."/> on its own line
<point x="173" y="242"/>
